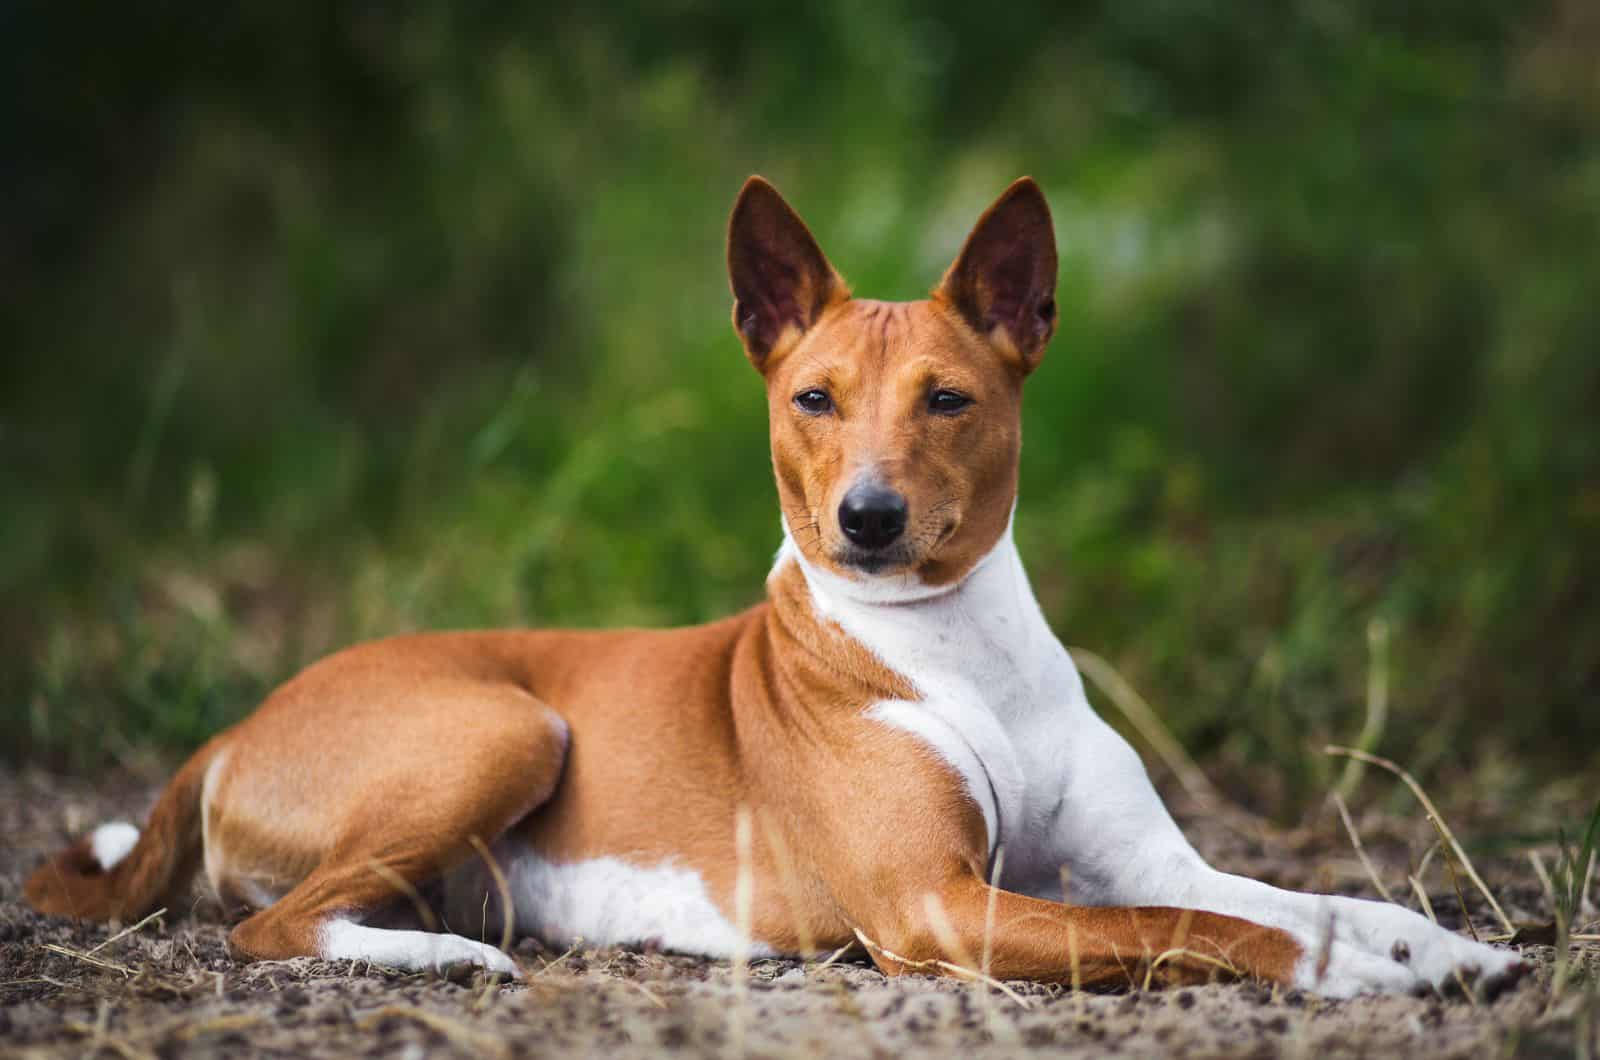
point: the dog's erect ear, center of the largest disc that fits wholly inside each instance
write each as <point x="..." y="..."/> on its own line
<point x="1004" y="280"/>
<point x="781" y="280"/>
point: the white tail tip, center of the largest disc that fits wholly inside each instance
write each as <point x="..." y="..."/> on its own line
<point x="111" y="842"/>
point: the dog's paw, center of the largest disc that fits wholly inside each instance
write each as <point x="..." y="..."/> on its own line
<point x="451" y="956"/>
<point x="1439" y="959"/>
<point x="1339" y="970"/>
<point x="455" y="957"/>
<point x="1448" y="962"/>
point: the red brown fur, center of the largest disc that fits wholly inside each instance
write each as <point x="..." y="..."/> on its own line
<point x="399" y="753"/>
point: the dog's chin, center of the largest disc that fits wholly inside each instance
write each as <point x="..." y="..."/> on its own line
<point x="875" y="563"/>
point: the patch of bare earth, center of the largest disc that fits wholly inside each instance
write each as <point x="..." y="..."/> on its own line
<point x="170" y="989"/>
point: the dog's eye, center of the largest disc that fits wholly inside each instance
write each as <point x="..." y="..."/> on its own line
<point x="947" y="402"/>
<point x="813" y="402"/>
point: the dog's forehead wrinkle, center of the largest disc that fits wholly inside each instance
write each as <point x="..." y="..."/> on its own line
<point x="810" y="364"/>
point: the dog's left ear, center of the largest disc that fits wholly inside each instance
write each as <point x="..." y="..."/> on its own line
<point x="781" y="280"/>
<point x="1004" y="280"/>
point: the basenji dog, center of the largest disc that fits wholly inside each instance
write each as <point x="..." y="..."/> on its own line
<point x="893" y="747"/>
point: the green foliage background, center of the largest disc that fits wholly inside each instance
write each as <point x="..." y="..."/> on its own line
<point x="326" y="323"/>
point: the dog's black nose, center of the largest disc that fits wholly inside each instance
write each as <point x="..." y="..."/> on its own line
<point x="871" y="515"/>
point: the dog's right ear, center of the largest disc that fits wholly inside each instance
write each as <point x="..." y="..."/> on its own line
<point x="781" y="280"/>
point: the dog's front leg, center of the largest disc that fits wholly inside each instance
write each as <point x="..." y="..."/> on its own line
<point x="1121" y="847"/>
<point x="963" y="925"/>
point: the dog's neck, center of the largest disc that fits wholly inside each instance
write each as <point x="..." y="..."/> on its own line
<point x="982" y="636"/>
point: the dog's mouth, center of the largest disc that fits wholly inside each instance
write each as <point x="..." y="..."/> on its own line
<point x="897" y="558"/>
<point x="890" y="560"/>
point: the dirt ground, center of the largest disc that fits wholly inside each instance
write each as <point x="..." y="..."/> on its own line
<point x="170" y="989"/>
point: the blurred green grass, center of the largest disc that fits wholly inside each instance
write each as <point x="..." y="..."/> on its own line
<point x="332" y="325"/>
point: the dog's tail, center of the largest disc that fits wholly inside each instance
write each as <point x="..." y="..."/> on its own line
<point x="117" y="872"/>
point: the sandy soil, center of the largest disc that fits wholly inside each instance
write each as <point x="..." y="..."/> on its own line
<point x="171" y="990"/>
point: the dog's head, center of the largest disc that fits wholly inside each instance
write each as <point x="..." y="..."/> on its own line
<point x="896" y="426"/>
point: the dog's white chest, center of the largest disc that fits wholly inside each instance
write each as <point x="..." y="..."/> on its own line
<point x="998" y="694"/>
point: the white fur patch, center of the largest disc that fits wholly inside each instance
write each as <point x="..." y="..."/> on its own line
<point x="604" y="901"/>
<point x="411" y="950"/>
<point x="969" y="652"/>
<point x="111" y="842"/>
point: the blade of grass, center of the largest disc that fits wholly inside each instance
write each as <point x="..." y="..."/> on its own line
<point x="1377" y="703"/>
<point x="1437" y="821"/>
<point x="1139" y="713"/>
<point x="1422" y="897"/>
<point x="1355" y="841"/>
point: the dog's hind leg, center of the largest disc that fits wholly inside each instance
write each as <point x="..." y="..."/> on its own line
<point x="414" y="823"/>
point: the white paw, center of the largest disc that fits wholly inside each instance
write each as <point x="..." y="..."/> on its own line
<point x="1445" y="959"/>
<point x="416" y="951"/>
<point x="453" y="954"/>
<point x="1342" y="970"/>
<point x="1440" y="958"/>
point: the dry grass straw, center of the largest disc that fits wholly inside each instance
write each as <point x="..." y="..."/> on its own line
<point x="1355" y="841"/>
<point x="788" y="880"/>
<point x="508" y="914"/>
<point x="986" y="960"/>
<point x="1455" y="883"/>
<point x="743" y="908"/>
<point x="944" y="931"/>
<point x="1434" y="817"/>
<point x="550" y="966"/>
<point x="125" y="932"/>
<point x="1427" y="859"/>
<point x="1325" y="951"/>
<point x="1176" y="947"/>
<point x="88" y="956"/>
<point x="1150" y="728"/>
<point x="1143" y="718"/>
<point x="934" y="964"/>
<point x="834" y="956"/>
<point x="78" y="955"/>
<point x="1220" y="964"/>
<point x="430" y="922"/>
<point x="1422" y="897"/>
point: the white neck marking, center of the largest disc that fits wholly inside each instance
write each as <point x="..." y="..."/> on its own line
<point x="986" y="667"/>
